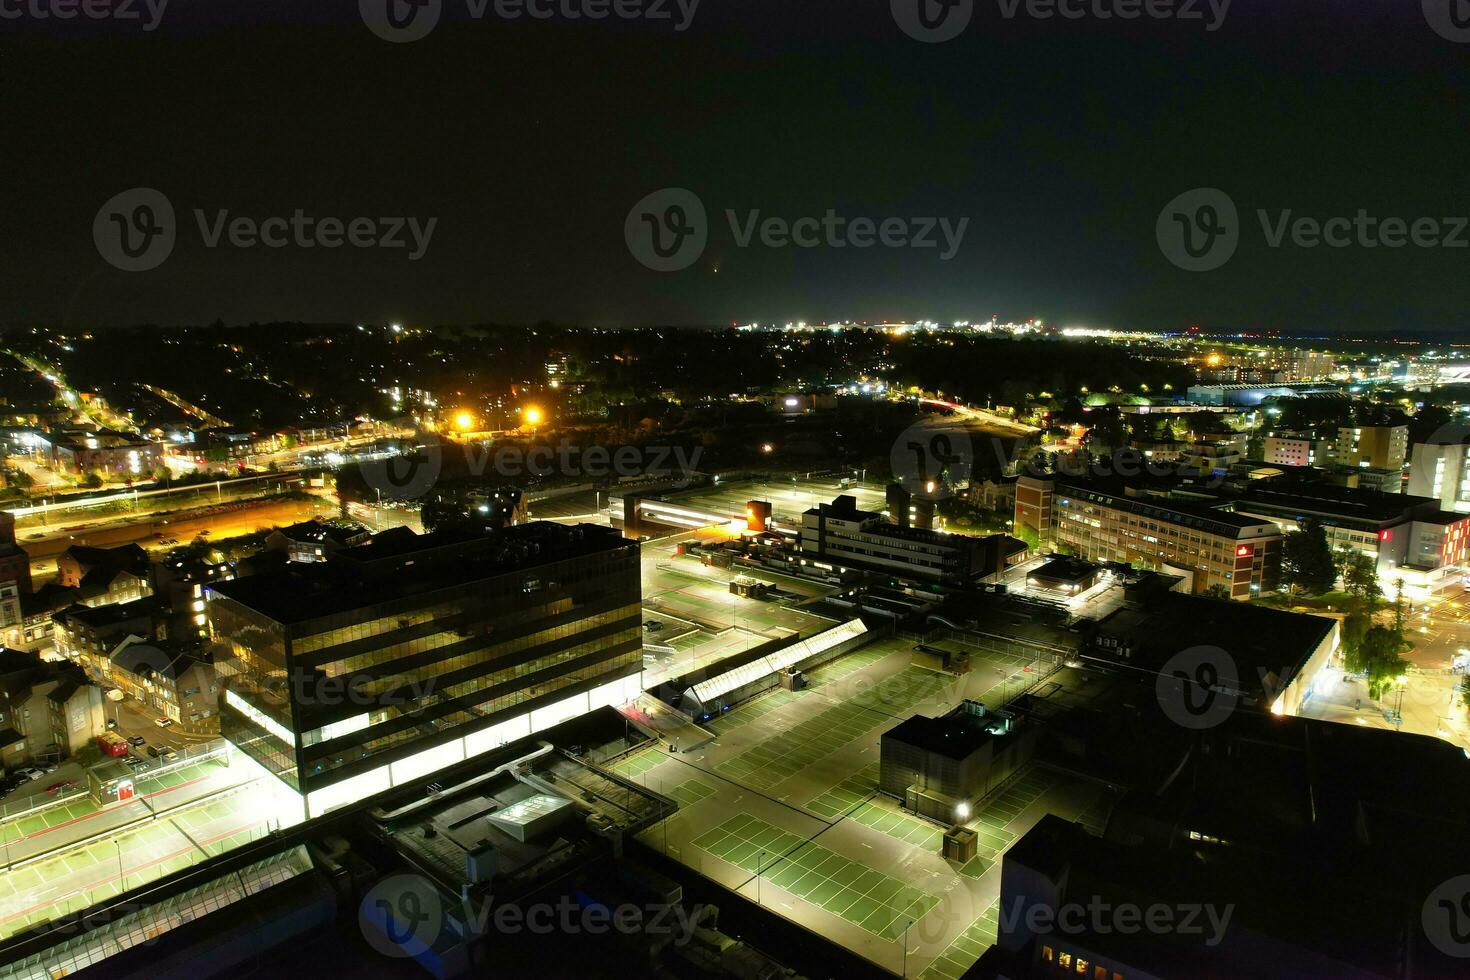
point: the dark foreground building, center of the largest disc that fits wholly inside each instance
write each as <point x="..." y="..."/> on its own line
<point x="411" y="653"/>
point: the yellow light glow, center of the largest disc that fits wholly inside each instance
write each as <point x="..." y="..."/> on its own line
<point x="532" y="415"/>
<point x="464" y="421"/>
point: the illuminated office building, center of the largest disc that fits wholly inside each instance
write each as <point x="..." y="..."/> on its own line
<point x="410" y="653"/>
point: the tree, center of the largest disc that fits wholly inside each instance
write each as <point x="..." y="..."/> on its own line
<point x="92" y="481"/>
<point x="1354" y="628"/>
<point x="1306" y="559"/>
<point x="1380" y="660"/>
<point x="1360" y="575"/>
<point x="1027" y="533"/>
<point x="1216" y="591"/>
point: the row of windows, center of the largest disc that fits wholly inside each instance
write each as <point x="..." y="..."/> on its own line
<point x="475" y="713"/>
<point x="503" y="597"/>
<point x="1067" y="963"/>
<point x="447" y="638"/>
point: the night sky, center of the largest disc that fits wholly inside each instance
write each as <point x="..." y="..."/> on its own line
<point x="1060" y="141"/>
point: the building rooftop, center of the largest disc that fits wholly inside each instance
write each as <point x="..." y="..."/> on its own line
<point x="399" y="563"/>
<point x="955" y="735"/>
<point x="1256" y="638"/>
<point x="1369" y="507"/>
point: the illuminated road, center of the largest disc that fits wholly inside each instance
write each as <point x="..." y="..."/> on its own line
<point x="1439" y="630"/>
<point x="151" y="532"/>
<point x="981" y="417"/>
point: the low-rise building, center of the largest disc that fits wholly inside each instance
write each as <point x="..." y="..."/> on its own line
<point x="1378" y="446"/>
<point x="313" y="541"/>
<point x="86" y="635"/>
<point x="49" y="711"/>
<point x="1296" y="449"/>
<point x="941" y="767"/>
<point x="177" y="684"/>
<point x="841" y="535"/>
<point x="105" y="576"/>
<point x="1441" y="469"/>
<point x="1107" y="521"/>
<point x="1409" y="538"/>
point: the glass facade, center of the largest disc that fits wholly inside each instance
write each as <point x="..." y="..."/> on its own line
<point x="425" y="660"/>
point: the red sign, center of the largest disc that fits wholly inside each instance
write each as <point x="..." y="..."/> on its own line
<point x="1244" y="551"/>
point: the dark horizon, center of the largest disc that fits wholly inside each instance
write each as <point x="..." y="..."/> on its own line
<point x="527" y="144"/>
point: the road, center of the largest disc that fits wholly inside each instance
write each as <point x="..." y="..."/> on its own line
<point x="44" y="548"/>
<point x="1439" y="630"/>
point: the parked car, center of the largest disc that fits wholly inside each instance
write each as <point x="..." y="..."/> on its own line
<point x="136" y="762"/>
<point x="137" y="740"/>
<point x="169" y="755"/>
<point x="112" y="724"/>
<point x="163" y="722"/>
<point x="29" y="772"/>
<point x="653" y="626"/>
<point x="153" y="752"/>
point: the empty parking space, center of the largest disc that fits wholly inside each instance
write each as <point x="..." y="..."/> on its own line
<point x="788" y="752"/>
<point x="637" y="763"/>
<point x="967" y="947"/>
<point x="752" y="710"/>
<point x="867" y="898"/>
<point x="691" y="791"/>
<point x="846" y="795"/>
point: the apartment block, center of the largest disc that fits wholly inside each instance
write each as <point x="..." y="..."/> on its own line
<point x="1240" y="554"/>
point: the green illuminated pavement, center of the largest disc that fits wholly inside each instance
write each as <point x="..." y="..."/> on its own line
<point x="803" y="768"/>
<point x="867" y="898"/>
<point x="77" y="878"/>
<point x="58" y="826"/>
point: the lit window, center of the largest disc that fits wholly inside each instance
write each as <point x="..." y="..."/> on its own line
<point x="1081" y="966"/>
